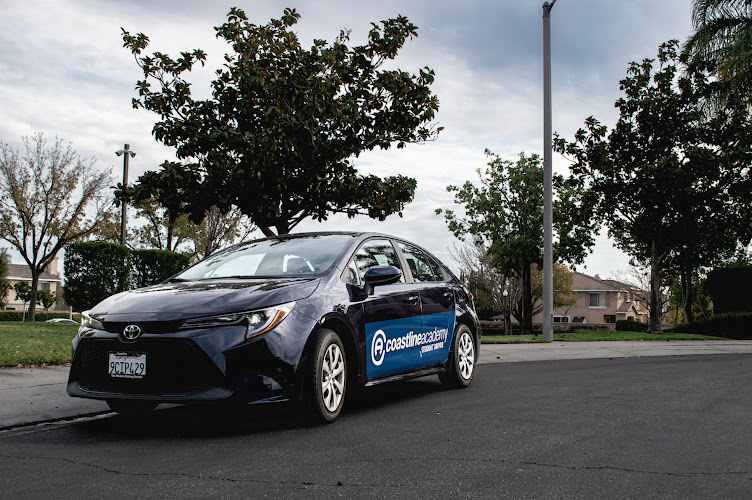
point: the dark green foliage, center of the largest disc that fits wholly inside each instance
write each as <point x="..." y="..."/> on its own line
<point x="504" y="211"/>
<point x="731" y="290"/>
<point x="154" y="266"/>
<point x="735" y="325"/>
<point x="93" y="272"/>
<point x="18" y="316"/>
<point x="22" y="290"/>
<point x="96" y="270"/>
<point x="671" y="182"/>
<point x="626" y="325"/>
<point x="277" y="136"/>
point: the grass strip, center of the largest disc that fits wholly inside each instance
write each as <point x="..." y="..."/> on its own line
<point x="35" y="344"/>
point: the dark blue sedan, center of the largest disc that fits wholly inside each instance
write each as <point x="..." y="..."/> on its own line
<point x="301" y="317"/>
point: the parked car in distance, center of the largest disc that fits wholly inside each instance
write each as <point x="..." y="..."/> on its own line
<point x="303" y="317"/>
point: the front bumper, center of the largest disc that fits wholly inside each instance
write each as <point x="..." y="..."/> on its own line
<point x="208" y="365"/>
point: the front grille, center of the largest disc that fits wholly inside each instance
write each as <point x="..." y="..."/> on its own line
<point x="174" y="367"/>
<point x="146" y="326"/>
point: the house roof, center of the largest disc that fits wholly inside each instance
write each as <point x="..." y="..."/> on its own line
<point x="625" y="307"/>
<point x="584" y="283"/>
<point x="22" y="272"/>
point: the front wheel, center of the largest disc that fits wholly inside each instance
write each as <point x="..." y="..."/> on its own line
<point x="327" y="378"/>
<point x="462" y="362"/>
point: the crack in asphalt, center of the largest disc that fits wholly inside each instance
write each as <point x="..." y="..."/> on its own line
<point x="395" y="485"/>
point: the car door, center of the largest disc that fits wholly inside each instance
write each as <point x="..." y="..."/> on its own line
<point x="437" y="304"/>
<point x="390" y="315"/>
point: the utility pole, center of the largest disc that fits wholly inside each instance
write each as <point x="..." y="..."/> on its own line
<point x="548" y="257"/>
<point x="126" y="153"/>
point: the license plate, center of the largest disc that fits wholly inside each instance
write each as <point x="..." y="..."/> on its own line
<point x="125" y="365"/>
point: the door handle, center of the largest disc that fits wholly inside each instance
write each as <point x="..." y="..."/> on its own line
<point x="413" y="298"/>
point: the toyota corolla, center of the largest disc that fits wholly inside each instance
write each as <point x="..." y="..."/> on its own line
<point x="303" y="318"/>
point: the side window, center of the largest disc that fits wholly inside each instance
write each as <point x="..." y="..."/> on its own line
<point x="372" y="253"/>
<point x="351" y="274"/>
<point x="437" y="270"/>
<point x="419" y="263"/>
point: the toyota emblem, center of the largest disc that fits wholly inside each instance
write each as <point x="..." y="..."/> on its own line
<point x="132" y="332"/>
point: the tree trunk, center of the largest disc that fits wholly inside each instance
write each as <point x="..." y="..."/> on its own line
<point x="267" y="231"/>
<point x="687" y="293"/>
<point x="655" y="290"/>
<point x="527" y="301"/>
<point x="169" y="236"/>
<point x="31" y="318"/>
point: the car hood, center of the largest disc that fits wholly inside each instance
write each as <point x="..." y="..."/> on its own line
<point x="191" y="299"/>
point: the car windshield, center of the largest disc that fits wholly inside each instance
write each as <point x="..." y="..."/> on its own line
<point x="304" y="256"/>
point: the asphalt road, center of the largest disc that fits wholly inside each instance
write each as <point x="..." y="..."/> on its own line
<point x="676" y="427"/>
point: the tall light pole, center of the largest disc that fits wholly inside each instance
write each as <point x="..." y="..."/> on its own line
<point x="548" y="256"/>
<point x="126" y="153"/>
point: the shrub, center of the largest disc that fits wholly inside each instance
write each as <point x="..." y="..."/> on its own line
<point x="149" y="267"/>
<point x="627" y="325"/>
<point x="96" y="270"/>
<point x="18" y="316"/>
<point x="731" y="290"/>
<point x="734" y="325"/>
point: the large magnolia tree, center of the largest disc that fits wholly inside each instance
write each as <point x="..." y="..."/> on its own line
<point x="278" y="135"/>
<point x="49" y="196"/>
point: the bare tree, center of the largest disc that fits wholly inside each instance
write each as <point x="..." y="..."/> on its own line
<point x="49" y="196"/>
<point x="218" y="230"/>
<point x="487" y="284"/>
<point x="638" y="281"/>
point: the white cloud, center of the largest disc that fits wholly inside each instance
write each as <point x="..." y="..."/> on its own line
<point x="63" y="71"/>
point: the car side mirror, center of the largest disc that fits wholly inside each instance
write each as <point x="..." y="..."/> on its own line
<point x="380" y="275"/>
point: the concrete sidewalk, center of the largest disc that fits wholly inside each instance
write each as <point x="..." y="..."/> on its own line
<point x="36" y="395"/>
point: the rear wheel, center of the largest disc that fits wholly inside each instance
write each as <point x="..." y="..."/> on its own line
<point x="462" y="362"/>
<point x="327" y="378"/>
<point x="131" y="408"/>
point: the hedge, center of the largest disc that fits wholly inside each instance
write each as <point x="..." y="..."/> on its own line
<point x="41" y="315"/>
<point x="627" y="325"/>
<point x="735" y="325"/>
<point x="96" y="270"/>
<point x="731" y="290"/>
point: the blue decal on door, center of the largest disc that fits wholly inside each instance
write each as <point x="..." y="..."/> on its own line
<point x="398" y="345"/>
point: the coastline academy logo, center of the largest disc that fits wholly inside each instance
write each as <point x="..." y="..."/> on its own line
<point x="378" y="347"/>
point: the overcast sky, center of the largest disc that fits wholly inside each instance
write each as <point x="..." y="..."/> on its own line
<point x="64" y="72"/>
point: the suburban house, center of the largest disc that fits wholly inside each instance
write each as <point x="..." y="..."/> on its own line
<point x="601" y="301"/>
<point x="48" y="280"/>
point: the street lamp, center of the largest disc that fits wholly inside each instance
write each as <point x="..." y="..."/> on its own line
<point x="548" y="260"/>
<point x="126" y="153"/>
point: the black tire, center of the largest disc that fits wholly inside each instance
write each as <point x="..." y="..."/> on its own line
<point x="462" y="359"/>
<point x="131" y="408"/>
<point x="326" y="380"/>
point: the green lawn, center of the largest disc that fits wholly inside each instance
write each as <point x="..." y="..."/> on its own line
<point x="33" y="344"/>
<point x="593" y="336"/>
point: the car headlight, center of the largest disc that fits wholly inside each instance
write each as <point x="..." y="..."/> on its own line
<point x="90" y="322"/>
<point x="257" y="322"/>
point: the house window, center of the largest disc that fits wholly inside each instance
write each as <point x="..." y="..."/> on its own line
<point x="44" y="286"/>
<point x="561" y="319"/>
<point x="597" y="300"/>
<point x="609" y="318"/>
